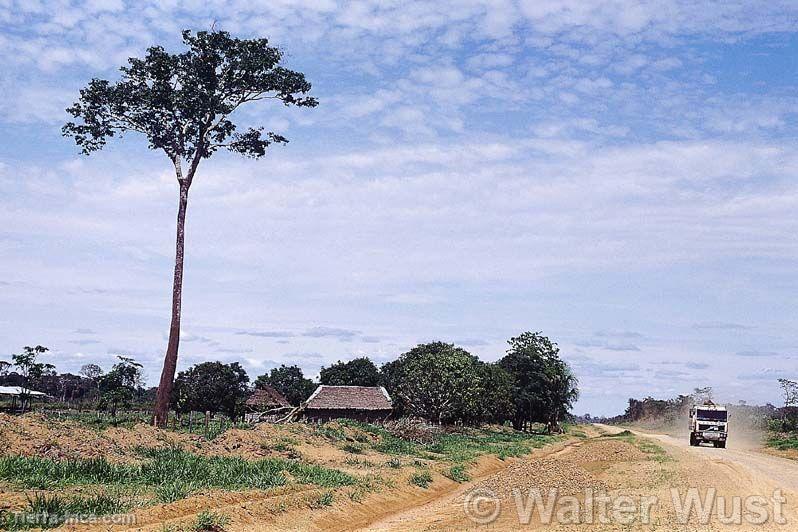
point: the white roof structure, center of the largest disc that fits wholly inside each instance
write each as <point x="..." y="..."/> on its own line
<point x="16" y="390"/>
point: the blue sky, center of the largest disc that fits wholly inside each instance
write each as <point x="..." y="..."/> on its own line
<point x="620" y="175"/>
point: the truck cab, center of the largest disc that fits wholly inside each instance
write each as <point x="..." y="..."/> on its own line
<point x="709" y="423"/>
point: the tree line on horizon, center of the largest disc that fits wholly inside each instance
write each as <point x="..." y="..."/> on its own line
<point x="437" y="381"/>
<point x="674" y="410"/>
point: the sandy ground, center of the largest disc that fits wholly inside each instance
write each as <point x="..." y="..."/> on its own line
<point x="629" y="472"/>
<point x="737" y="473"/>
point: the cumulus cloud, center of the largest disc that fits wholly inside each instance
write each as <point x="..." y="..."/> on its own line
<point x="471" y="161"/>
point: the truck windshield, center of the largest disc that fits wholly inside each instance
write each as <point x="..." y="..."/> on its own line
<point x="711" y="415"/>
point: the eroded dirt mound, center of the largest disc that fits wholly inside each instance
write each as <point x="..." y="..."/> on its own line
<point x="33" y="435"/>
<point x="543" y="474"/>
<point x="605" y="450"/>
<point x="143" y="435"/>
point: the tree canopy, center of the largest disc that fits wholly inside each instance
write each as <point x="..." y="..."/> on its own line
<point x="544" y="386"/>
<point x="356" y="372"/>
<point x="118" y="387"/>
<point x="212" y="386"/>
<point x="438" y="381"/>
<point x="30" y="370"/>
<point x="182" y="102"/>
<point x="289" y="381"/>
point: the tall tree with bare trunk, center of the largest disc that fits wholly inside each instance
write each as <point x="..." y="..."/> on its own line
<point x="183" y="104"/>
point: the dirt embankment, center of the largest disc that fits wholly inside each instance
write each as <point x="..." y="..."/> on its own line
<point x="641" y="468"/>
<point x="383" y="481"/>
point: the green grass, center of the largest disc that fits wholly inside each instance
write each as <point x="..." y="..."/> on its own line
<point x="464" y="446"/>
<point x="421" y="479"/>
<point x="782" y="441"/>
<point x="654" y="451"/>
<point x="50" y="511"/>
<point x="353" y="448"/>
<point x="622" y="434"/>
<point x="170" y="471"/>
<point x="210" y="522"/>
<point x="174" y="491"/>
<point x="125" y="419"/>
<point x="322" y="500"/>
<point x="458" y="473"/>
<point x="394" y="463"/>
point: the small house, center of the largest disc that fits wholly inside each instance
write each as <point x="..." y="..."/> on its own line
<point x="363" y="403"/>
<point x="266" y="404"/>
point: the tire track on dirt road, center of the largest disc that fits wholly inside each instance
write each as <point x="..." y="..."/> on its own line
<point x="746" y="460"/>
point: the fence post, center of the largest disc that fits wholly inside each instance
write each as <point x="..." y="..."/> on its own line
<point x="190" y="419"/>
<point x="207" y="422"/>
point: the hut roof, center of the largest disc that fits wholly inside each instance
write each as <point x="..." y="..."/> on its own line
<point x="17" y="390"/>
<point x="349" y="398"/>
<point x="267" y="397"/>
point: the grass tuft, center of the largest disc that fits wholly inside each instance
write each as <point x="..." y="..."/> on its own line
<point x="50" y="511"/>
<point x="208" y="521"/>
<point x="458" y="473"/>
<point x="421" y="479"/>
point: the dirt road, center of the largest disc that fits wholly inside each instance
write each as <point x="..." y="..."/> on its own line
<point x="649" y="479"/>
<point x="744" y="456"/>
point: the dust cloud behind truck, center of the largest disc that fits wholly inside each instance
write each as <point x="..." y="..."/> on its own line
<point x="709" y="423"/>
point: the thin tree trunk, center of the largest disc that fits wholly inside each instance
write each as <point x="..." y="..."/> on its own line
<point x="170" y="360"/>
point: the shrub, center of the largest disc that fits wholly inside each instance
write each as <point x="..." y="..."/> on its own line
<point x="394" y="463"/>
<point x="323" y="500"/>
<point x="458" y="473"/>
<point x="353" y="448"/>
<point x="421" y="479"/>
<point x="210" y="522"/>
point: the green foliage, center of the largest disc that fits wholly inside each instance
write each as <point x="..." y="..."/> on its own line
<point x="211" y="386"/>
<point x="118" y="386"/>
<point x="622" y="434"/>
<point x="422" y="479"/>
<point x="394" y="463"/>
<point x="458" y="473"/>
<point x="353" y="448"/>
<point x="356" y="372"/>
<point x="289" y="381"/>
<point x="322" y="500"/>
<point x="208" y="521"/>
<point x="165" y="467"/>
<point x="331" y="432"/>
<point x="30" y="370"/>
<point x="437" y="381"/>
<point x="173" y="491"/>
<point x="497" y="402"/>
<point x="182" y="102"/>
<point x="50" y="511"/>
<point x="545" y="388"/>
<point x="783" y="441"/>
<point x="462" y="446"/>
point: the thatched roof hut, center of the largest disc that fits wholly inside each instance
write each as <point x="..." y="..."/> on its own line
<point x="265" y="399"/>
<point x="365" y="403"/>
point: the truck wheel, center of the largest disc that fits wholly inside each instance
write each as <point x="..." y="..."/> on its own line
<point x="692" y="441"/>
<point x="721" y="444"/>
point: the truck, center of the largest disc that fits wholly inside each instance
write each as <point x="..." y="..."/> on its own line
<point x="709" y="423"/>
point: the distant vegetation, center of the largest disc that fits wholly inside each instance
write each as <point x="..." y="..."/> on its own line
<point x="437" y="381"/>
<point x="777" y="425"/>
